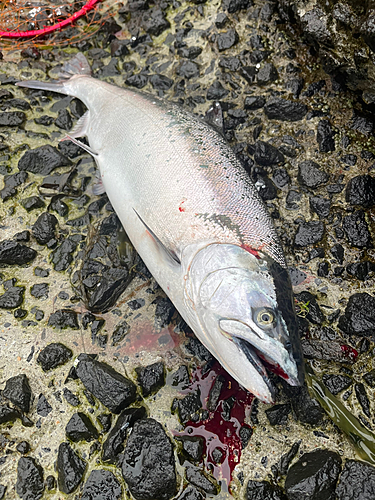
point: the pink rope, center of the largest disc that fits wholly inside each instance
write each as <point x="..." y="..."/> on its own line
<point x="49" y="29"/>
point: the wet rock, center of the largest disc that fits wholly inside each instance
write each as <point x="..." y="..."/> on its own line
<point x="361" y="191"/>
<point x="263" y="490"/>
<point x="215" y="391"/>
<point x="13" y="253"/>
<point x="249" y="73"/>
<point x="119" y="48"/>
<point x="313" y="476"/>
<point x="197" y="349"/>
<point x="149" y="467"/>
<point x="321" y="206"/>
<point x="160" y="82"/>
<point x="281" y="177"/>
<point x="362" y="124"/>
<point x="337" y="383"/>
<point x="370" y="378"/>
<point x="198" y="478"/>
<point x="278" y="108"/>
<point x="314" y="313"/>
<point x="50" y="483"/>
<point x="44" y="120"/>
<point x="31" y="52"/>
<point x="306" y="409"/>
<point x="190" y="493"/>
<point x="151" y="378"/>
<point x="10" y="183"/>
<point x="64" y="120"/>
<point x="80" y="428"/>
<point x="188" y="69"/>
<point x="62" y="256"/>
<point x="325" y="136"/>
<point x="164" y="311"/>
<point x="227" y="39"/>
<point x="357" y="480"/>
<point x="278" y="414"/>
<point x="43" y="408"/>
<point x="221" y="20"/>
<point x="40" y="290"/>
<point x="309" y="233"/>
<point x="12" y="298"/>
<point x="101" y="484"/>
<point x="154" y="21"/>
<point x="189" y="52"/>
<point x="266" y="154"/>
<point x="361" y="270"/>
<point x="245" y="434"/>
<point x="70" y="397"/>
<point x="114" y="444"/>
<point x="32" y="203"/>
<point x="328" y="350"/>
<point x="356" y="230"/>
<point x="120" y="332"/>
<point x="64" y="318"/>
<point x="43" y="160"/>
<point x="69" y="149"/>
<point x="18" y="391"/>
<point x="254" y="102"/>
<point x="12" y="118"/>
<point x="23" y="236"/>
<point x="138" y="81"/>
<point x="111" y="388"/>
<point x="311" y="175"/>
<point x="181" y="378"/>
<point x="70" y="468"/>
<point x="188" y="406"/>
<point x="54" y="355"/>
<point x="363" y="400"/>
<point x="8" y="415"/>
<point x="192" y="447"/>
<point x="23" y="447"/>
<point x="267" y="74"/>
<point x="44" y="228"/>
<point x="105" y="420"/>
<point x="58" y="206"/>
<point x="30" y="484"/>
<point x="216" y="91"/>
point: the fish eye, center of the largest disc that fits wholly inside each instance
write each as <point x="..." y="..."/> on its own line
<point x="265" y="317"/>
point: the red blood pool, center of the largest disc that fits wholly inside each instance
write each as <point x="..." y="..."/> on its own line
<point x="349" y="352"/>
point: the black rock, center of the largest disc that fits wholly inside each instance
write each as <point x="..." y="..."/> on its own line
<point x="189" y="52"/>
<point x="325" y="136"/>
<point x="23" y="447"/>
<point x="32" y="203"/>
<point x="190" y="493"/>
<point x="216" y="91"/>
<point x="80" y="428"/>
<point x="286" y="459"/>
<point x="154" y="21"/>
<point x="192" y="447"/>
<point x="361" y="270"/>
<point x="108" y="288"/>
<point x="101" y="484"/>
<point x="245" y="433"/>
<point x="59" y="206"/>
<point x="370" y="378"/>
<point x="314" y="314"/>
<point x="50" y="482"/>
<point x="12" y="298"/>
<point x="321" y="206"/>
<point x="254" y="102"/>
<point x="236" y="5"/>
<point x="267" y="74"/>
<point x="361" y="191"/>
<point x="151" y="378"/>
<point x="70" y="397"/>
<point x="43" y="160"/>
<point x="356" y="230"/>
<point x="149" y="466"/>
<point x="357" y="481"/>
<point x="120" y="332"/>
<point x="119" y="48"/>
<point x="111" y="388"/>
<point x="306" y="409"/>
<point x="160" y="82"/>
<point x="362" y="124"/>
<point x="43" y="408"/>
<point x="138" y="81"/>
<point x="309" y="233"/>
<point x="230" y="63"/>
<point x="188" y="69"/>
<point x="280" y="177"/>
<point x="10" y="183"/>
<point x="70" y="468"/>
<point x="8" y="414"/>
<point x="215" y="391"/>
<point x="278" y="108"/>
<point x="105" y="420"/>
<point x="69" y="149"/>
<point x="227" y="40"/>
<point x="266" y="154"/>
<point x="295" y="86"/>
<point x="198" y="478"/>
<point x="164" y="311"/>
<point x="114" y="444"/>
<point x="62" y="256"/>
<point x="44" y="120"/>
<point x="64" y="318"/>
<point x="350" y="160"/>
<point x="30" y="484"/>
<point x="181" y="378"/>
<point x="249" y="73"/>
<point x="12" y="118"/>
<point x="197" y="349"/>
<point x="53" y="355"/>
<point x="44" y="228"/>
<point x="13" y="253"/>
<point x="337" y="383"/>
<point x="313" y="476"/>
<point x="64" y="120"/>
<point x="278" y="414"/>
<point x="363" y="400"/>
<point x="40" y="290"/>
<point x="31" y="52"/>
<point x="18" y="391"/>
<point x="310" y="174"/>
<point x="263" y="490"/>
<point x="188" y="406"/>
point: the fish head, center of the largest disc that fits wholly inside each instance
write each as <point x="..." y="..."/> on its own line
<point x="244" y="305"/>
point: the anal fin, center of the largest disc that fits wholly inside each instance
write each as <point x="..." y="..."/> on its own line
<point x="81" y="127"/>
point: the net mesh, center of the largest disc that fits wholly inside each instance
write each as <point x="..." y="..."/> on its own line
<point x="47" y="22"/>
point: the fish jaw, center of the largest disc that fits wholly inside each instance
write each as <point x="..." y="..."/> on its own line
<point x="243" y="313"/>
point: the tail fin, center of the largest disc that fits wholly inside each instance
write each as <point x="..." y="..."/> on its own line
<point x="76" y="66"/>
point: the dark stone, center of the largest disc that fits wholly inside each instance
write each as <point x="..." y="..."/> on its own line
<point x="361" y="270"/>
<point x="245" y="433"/>
<point x="278" y="108"/>
<point x="267" y="74"/>
<point x="10" y="183"/>
<point x="314" y="314"/>
<point x="215" y="391"/>
<point x="32" y="203"/>
<point x="192" y="447"/>
<point x="119" y="48"/>
<point x="338" y="252"/>
<point x="154" y="21"/>
<point x="23" y="447"/>
<point x="44" y="120"/>
<point x="69" y="149"/>
<point x="337" y="383"/>
<point x="40" y="290"/>
<point x="114" y="444"/>
<point x="160" y="82"/>
<point x="101" y="485"/>
<point x="370" y="378"/>
<point x="70" y="468"/>
<point x="227" y="40"/>
<point x="263" y="490"/>
<point x="30" y="484"/>
<point x="295" y="86"/>
<point x="43" y="408"/>
<point x="188" y="69"/>
<point x="31" y="52"/>
<point x="309" y="233"/>
<point x="12" y="298"/>
<point x="287" y="458"/>
<point x="187" y="406"/>
<point x="62" y="256"/>
<point x="53" y="355"/>
<point x="50" y="483"/>
<point x="254" y="102"/>
<point x="59" y="206"/>
<point x="109" y="286"/>
<point x="216" y="91"/>
<point x="181" y="378"/>
<point x="198" y="478"/>
<point x="278" y="414"/>
<point x="361" y="191"/>
<point x="230" y="63"/>
<point x="236" y="5"/>
<point x="357" y="481"/>
<point x="321" y="206"/>
<point x="189" y="52"/>
<point x="13" y="253"/>
<point x="64" y="120"/>
<point x="164" y="311"/>
<point x="362" y="124"/>
<point x="313" y="476"/>
<point x="148" y="466"/>
<point x="80" y="428"/>
<point x="44" y="228"/>
<point x="70" y="397"/>
<point x="249" y="73"/>
<point x="325" y="136"/>
<point x="310" y="174"/>
<point x="105" y="420"/>
<point x="197" y="349"/>
<point x="151" y="378"/>
<point x="12" y="118"/>
<point x="306" y="409"/>
<point x="266" y="154"/>
<point x="120" y="332"/>
<point x="190" y="493"/>
<point x="111" y="388"/>
<point x="18" y="391"/>
<point x="363" y="400"/>
<point x="138" y="81"/>
<point x="64" y="318"/>
<point x="8" y="414"/>
<point x="280" y="177"/>
<point x="356" y="230"/>
<point x="43" y="160"/>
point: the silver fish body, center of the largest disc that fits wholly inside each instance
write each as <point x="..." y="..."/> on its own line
<point x="197" y="221"/>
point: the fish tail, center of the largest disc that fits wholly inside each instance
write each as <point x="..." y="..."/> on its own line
<point x="78" y="65"/>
